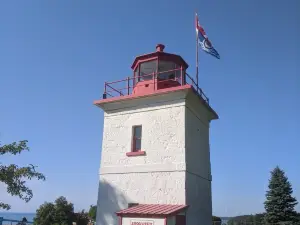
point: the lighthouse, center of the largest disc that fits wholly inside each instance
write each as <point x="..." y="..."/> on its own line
<point x="155" y="159"/>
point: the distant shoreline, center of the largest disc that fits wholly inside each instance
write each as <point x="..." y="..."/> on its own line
<point x="3" y="212"/>
<point x="17" y="216"/>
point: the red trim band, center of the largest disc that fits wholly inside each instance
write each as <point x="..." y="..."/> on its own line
<point x="136" y="153"/>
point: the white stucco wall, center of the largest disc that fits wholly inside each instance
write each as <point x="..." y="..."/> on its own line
<point x="144" y="188"/>
<point x="136" y="221"/>
<point x="176" y="143"/>
<point x="162" y="138"/>
<point x="197" y="144"/>
<point x="156" y="178"/>
<point x="198" y="197"/>
<point x="198" y="176"/>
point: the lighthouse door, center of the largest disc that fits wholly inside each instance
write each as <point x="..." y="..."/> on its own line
<point x="180" y="220"/>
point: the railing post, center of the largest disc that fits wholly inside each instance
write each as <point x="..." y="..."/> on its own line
<point x="104" y="94"/>
<point x="128" y="85"/>
<point x="154" y="81"/>
<point x="1" y="220"/>
<point x="182" y="76"/>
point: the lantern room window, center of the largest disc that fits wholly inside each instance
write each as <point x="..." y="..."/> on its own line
<point x="168" y="70"/>
<point x="137" y="75"/>
<point x="145" y="71"/>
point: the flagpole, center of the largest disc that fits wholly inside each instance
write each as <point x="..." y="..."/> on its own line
<point x="197" y="61"/>
<point x="197" y="55"/>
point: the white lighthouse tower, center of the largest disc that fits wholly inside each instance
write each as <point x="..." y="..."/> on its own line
<point x="155" y="163"/>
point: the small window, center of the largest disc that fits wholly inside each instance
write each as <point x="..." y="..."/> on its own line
<point x="132" y="204"/>
<point x="137" y="138"/>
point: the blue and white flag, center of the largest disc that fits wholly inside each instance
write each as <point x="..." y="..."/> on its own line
<point x="203" y="40"/>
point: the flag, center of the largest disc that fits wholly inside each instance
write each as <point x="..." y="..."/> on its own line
<point x="203" y="40"/>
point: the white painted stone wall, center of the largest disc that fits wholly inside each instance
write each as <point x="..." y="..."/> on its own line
<point x="150" y="188"/>
<point x="157" y="177"/>
<point x="152" y="221"/>
<point x="198" y="176"/>
<point x="162" y="138"/>
<point x="176" y="143"/>
<point x="197" y="145"/>
<point x="146" y="188"/>
<point x="198" y="197"/>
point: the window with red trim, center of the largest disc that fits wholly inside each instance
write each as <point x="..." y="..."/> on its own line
<point x="132" y="204"/>
<point x="136" y="138"/>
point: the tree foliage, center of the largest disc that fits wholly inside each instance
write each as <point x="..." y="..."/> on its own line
<point x="216" y="220"/>
<point x="61" y="212"/>
<point x="64" y="211"/>
<point x="45" y="214"/>
<point x="81" y="218"/>
<point x="279" y="204"/>
<point x="257" y="219"/>
<point x="93" y="212"/>
<point x="14" y="176"/>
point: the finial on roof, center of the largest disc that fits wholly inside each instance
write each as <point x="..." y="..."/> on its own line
<point x="160" y="47"/>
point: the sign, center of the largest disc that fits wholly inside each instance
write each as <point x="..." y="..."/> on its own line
<point x="141" y="222"/>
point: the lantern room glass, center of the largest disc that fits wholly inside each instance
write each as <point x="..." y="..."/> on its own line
<point x="160" y="69"/>
<point x="147" y="69"/>
<point x="168" y="70"/>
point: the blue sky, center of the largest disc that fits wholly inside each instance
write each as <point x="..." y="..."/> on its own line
<point x="56" y="56"/>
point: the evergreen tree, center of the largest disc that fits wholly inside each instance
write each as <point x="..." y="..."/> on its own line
<point x="279" y="202"/>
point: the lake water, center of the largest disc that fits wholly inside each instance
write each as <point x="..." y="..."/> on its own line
<point x="17" y="216"/>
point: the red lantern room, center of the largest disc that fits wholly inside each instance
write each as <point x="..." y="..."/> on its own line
<point x="153" y="73"/>
<point x="157" y="70"/>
